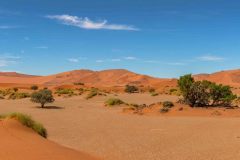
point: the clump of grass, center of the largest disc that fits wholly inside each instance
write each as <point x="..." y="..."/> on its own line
<point x="92" y="93"/>
<point x="167" y="105"/>
<point x="17" y="95"/>
<point x="28" y="122"/>
<point x="154" y="94"/>
<point x="113" y="102"/>
<point x="66" y="91"/>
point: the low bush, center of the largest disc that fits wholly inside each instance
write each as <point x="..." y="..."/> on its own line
<point x="67" y="91"/>
<point x="28" y="122"/>
<point x="34" y="87"/>
<point x="154" y="94"/>
<point x="79" y="84"/>
<point x="113" y="102"/>
<point x="164" y="110"/>
<point x="131" y="89"/>
<point x="92" y="93"/>
<point x="168" y="104"/>
<point x="17" y="95"/>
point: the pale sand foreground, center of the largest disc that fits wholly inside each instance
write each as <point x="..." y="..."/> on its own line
<point x="88" y="126"/>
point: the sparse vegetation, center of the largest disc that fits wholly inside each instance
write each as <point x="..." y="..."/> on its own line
<point x="43" y="96"/>
<point x="131" y="89"/>
<point x="64" y="91"/>
<point x="204" y="93"/>
<point x="113" y="102"/>
<point x="15" y="89"/>
<point x="92" y="93"/>
<point x="79" y="84"/>
<point x="154" y="94"/>
<point x="28" y="122"/>
<point x="18" y="95"/>
<point x="168" y="104"/>
<point x="34" y="87"/>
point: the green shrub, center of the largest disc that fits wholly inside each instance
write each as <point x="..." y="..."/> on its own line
<point x="168" y="104"/>
<point x="34" y="87"/>
<point x="64" y="91"/>
<point x="17" y="95"/>
<point x="131" y="89"/>
<point x="79" y="84"/>
<point x="202" y="93"/>
<point x="28" y="122"/>
<point x="152" y="90"/>
<point x="43" y="96"/>
<point x="92" y="93"/>
<point x="113" y="102"/>
<point x="154" y="94"/>
<point x="15" y="89"/>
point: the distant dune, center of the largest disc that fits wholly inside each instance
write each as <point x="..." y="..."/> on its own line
<point x="21" y="143"/>
<point x="106" y="78"/>
<point x="230" y="77"/>
<point x="111" y="78"/>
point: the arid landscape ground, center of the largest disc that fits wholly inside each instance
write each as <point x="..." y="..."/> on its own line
<point x="109" y="133"/>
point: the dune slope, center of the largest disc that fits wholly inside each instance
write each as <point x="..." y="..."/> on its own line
<point x="21" y="143"/>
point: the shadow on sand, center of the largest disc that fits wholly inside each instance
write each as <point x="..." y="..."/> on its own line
<point x="50" y="107"/>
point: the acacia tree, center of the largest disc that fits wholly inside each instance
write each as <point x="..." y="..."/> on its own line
<point x="204" y="93"/>
<point x="43" y="96"/>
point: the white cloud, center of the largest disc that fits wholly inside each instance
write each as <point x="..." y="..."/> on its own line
<point x="86" y="23"/>
<point x="42" y="47"/>
<point x="210" y="58"/>
<point x="99" y="61"/>
<point x="6" y="60"/>
<point x="74" y="60"/>
<point x="115" y="60"/>
<point x="130" y="58"/>
<point x="7" y="27"/>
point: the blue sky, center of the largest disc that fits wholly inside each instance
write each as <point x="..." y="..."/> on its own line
<point x="162" y="38"/>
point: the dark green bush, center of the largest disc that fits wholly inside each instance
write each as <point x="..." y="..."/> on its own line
<point x="34" y="87"/>
<point x="204" y="93"/>
<point x="43" y="96"/>
<point x="131" y="89"/>
<point x="168" y="104"/>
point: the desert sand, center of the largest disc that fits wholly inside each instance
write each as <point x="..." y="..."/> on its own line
<point x="88" y="126"/>
<point x="19" y="142"/>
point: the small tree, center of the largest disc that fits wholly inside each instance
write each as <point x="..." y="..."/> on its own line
<point x="34" y="87"/>
<point x="15" y="89"/>
<point x="131" y="89"/>
<point x="43" y="96"/>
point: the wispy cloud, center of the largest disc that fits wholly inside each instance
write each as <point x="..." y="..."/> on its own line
<point x="6" y="60"/>
<point x="74" y="60"/>
<point x="115" y="60"/>
<point x="99" y="61"/>
<point x="86" y="23"/>
<point x="130" y="58"/>
<point x="8" y="27"/>
<point x="176" y="64"/>
<point x="210" y="58"/>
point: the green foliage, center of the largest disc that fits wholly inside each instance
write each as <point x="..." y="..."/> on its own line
<point x="28" y="122"/>
<point x="43" y="96"/>
<point x="114" y="101"/>
<point x="34" y="87"/>
<point x="168" y="104"/>
<point x="131" y="89"/>
<point x="17" y="95"/>
<point x="204" y="93"/>
<point x="15" y="89"/>
<point x="154" y="94"/>
<point x="67" y="91"/>
<point x="92" y="93"/>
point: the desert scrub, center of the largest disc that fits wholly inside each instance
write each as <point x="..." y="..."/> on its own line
<point x="92" y="93"/>
<point x="61" y="91"/>
<point x="168" y="104"/>
<point x="17" y="95"/>
<point x="113" y="102"/>
<point x="154" y="94"/>
<point x="28" y="122"/>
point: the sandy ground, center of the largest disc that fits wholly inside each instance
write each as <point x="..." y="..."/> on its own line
<point x="88" y="126"/>
<point x="21" y="143"/>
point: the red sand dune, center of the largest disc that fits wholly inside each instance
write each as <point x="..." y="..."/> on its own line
<point x="106" y="78"/>
<point x="111" y="78"/>
<point x="21" y="143"/>
<point x="230" y="77"/>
